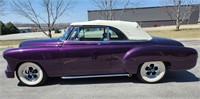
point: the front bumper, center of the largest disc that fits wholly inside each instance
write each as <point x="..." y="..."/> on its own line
<point x="9" y="74"/>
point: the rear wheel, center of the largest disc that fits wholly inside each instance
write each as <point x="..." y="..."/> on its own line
<point x="31" y="74"/>
<point x="152" y="72"/>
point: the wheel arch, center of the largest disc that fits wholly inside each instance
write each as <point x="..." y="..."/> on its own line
<point x="132" y="65"/>
<point x="166" y="63"/>
<point x="20" y="63"/>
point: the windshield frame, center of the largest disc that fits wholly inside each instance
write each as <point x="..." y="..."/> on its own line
<point x="66" y="34"/>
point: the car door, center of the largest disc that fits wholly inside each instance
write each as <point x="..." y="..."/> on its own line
<point x="85" y="52"/>
<point x="119" y="46"/>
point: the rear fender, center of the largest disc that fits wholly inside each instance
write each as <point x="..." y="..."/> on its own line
<point x="175" y="55"/>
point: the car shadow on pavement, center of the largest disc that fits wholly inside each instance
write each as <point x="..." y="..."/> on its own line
<point x="103" y="80"/>
<point x="171" y="76"/>
<point x="180" y="76"/>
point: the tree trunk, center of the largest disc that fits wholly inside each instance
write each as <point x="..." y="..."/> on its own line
<point x="50" y="35"/>
<point x="178" y="15"/>
<point x="178" y="27"/>
<point x="177" y="24"/>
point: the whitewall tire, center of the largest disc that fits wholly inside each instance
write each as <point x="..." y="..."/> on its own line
<point x="152" y="72"/>
<point x="31" y="74"/>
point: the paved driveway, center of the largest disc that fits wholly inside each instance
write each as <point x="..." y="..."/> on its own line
<point x="182" y="84"/>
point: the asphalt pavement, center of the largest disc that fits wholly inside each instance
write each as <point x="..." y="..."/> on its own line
<point x="181" y="85"/>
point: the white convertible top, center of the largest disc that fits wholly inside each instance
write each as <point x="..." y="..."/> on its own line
<point x="131" y="29"/>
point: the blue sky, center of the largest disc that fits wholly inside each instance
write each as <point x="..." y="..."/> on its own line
<point x="78" y="13"/>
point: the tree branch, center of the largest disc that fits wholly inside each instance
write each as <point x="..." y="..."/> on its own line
<point x="54" y="9"/>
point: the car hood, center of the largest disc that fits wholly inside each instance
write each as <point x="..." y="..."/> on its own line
<point x="165" y="41"/>
<point x="41" y="42"/>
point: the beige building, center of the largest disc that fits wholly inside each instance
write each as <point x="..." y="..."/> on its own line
<point x="148" y="16"/>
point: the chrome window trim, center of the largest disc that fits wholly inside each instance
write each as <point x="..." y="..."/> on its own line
<point x="106" y="42"/>
<point x="128" y="41"/>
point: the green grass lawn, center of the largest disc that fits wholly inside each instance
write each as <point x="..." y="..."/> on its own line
<point x="10" y="43"/>
<point x="182" y="34"/>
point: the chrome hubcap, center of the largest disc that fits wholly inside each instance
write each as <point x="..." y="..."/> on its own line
<point x="152" y="71"/>
<point x="31" y="73"/>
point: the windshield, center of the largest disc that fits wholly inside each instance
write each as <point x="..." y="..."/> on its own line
<point x="63" y="37"/>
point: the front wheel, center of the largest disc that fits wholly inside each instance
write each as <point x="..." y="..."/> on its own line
<point x="31" y="74"/>
<point x="151" y="72"/>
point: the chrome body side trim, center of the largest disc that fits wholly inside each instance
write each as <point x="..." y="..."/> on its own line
<point x="94" y="76"/>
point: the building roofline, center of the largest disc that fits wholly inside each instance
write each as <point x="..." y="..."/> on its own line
<point x="143" y="8"/>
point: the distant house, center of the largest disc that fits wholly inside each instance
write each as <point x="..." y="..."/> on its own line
<point x="25" y="29"/>
<point x="149" y="16"/>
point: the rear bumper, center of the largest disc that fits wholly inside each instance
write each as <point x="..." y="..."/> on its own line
<point x="9" y="74"/>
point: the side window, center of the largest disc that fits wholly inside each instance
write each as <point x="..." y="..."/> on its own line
<point x="115" y="34"/>
<point x="89" y="34"/>
<point x="74" y="34"/>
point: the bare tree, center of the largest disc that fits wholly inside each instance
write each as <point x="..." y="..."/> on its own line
<point x="182" y="10"/>
<point x="2" y="5"/>
<point x="107" y="7"/>
<point x="53" y="9"/>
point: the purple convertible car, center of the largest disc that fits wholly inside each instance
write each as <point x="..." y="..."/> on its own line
<point x="98" y="49"/>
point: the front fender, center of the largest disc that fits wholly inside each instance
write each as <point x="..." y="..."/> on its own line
<point x="180" y="58"/>
<point x="46" y="57"/>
